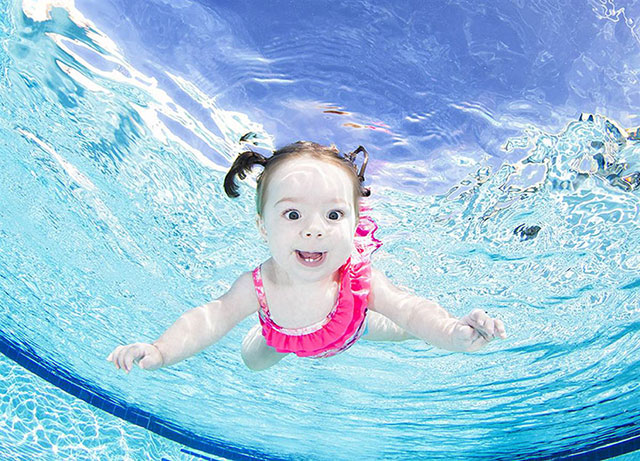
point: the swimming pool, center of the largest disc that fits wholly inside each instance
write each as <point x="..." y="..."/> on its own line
<point x="118" y="121"/>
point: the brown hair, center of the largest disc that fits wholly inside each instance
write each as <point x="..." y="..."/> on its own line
<point x="246" y="160"/>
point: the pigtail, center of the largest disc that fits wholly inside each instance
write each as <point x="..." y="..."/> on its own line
<point x="351" y="158"/>
<point x="242" y="164"/>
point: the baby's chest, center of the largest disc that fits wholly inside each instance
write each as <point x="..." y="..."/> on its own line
<point x="298" y="312"/>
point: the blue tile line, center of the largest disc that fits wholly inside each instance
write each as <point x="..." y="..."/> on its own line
<point x="197" y="455"/>
<point x="607" y="449"/>
<point x="25" y="356"/>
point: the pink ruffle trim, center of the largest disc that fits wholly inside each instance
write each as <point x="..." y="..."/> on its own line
<point x="345" y="324"/>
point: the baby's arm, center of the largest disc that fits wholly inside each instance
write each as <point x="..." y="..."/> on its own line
<point x="428" y="321"/>
<point x="380" y="328"/>
<point x="195" y="330"/>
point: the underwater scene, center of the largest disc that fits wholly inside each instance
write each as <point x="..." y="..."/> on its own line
<point x="504" y="168"/>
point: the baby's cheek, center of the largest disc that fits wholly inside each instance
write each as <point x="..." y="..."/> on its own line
<point x="345" y="249"/>
<point x="277" y="250"/>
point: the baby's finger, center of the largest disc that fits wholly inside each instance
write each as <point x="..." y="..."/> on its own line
<point x="477" y="341"/>
<point x="483" y="334"/>
<point x="473" y="333"/>
<point x="121" y="357"/>
<point x="115" y="356"/>
<point x="117" y="361"/>
<point x="481" y="322"/>
<point x="137" y="352"/>
<point x="500" y="330"/>
<point x="110" y="357"/>
<point x="488" y="328"/>
<point x="487" y="323"/>
<point x="129" y="357"/>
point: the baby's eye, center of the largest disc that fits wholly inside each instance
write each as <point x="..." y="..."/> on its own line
<point x="292" y="214"/>
<point x="334" y="215"/>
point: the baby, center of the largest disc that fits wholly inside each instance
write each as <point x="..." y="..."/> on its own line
<point x="318" y="293"/>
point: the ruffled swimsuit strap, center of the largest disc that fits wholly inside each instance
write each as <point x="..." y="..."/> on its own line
<point x="263" y="312"/>
<point x="262" y="299"/>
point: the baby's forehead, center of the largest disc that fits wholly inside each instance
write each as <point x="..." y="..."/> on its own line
<point x="309" y="169"/>
<point x="305" y="175"/>
<point x="307" y="163"/>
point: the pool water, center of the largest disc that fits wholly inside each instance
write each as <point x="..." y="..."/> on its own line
<point x="505" y="175"/>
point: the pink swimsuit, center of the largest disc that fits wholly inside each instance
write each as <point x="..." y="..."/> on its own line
<point x="346" y="322"/>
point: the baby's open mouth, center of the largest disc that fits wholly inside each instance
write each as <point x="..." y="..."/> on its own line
<point x="310" y="258"/>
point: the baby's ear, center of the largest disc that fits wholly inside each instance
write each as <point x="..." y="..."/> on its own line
<point x="260" y="224"/>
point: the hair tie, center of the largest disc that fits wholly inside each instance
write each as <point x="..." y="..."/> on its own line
<point x="351" y="156"/>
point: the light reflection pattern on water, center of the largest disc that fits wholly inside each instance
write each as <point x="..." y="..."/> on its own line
<point x="113" y="222"/>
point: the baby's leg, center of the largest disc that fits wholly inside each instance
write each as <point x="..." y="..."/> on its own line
<point x="256" y="354"/>
<point x="383" y="329"/>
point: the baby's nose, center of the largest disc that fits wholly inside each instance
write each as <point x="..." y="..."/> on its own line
<point x="314" y="229"/>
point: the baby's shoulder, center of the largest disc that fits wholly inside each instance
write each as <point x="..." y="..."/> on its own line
<point x="245" y="281"/>
<point x="379" y="281"/>
<point x="242" y="294"/>
<point x="377" y="290"/>
<point x="384" y="294"/>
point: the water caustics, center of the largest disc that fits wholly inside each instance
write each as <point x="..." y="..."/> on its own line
<point x="113" y="222"/>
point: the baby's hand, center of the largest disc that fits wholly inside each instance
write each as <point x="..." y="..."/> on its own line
<point x="476" y="329"/>
<point x="147" y="356"/>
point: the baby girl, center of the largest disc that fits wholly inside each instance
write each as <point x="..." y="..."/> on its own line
<point x="318" y="293"/>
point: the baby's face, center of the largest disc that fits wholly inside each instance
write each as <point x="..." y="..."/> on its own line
<point x="308" y="210"/>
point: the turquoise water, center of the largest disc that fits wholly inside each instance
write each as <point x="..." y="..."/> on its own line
<point x="39" y="421"/>
<point x="113" y="222"/>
